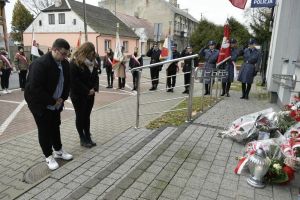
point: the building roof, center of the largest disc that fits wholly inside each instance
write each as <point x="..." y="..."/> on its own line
<point x="180" y="11"/>
<point x="134" y="22"/>
<point x="99" y="19"/>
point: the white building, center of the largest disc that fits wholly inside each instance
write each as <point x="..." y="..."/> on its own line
<point x="284" y="57"/>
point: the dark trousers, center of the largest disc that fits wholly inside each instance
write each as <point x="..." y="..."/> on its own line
<point x="246" y="87"/>
<point x="187" y="80"/>
<point x="135" y="76"/>
<point x="207" y="89"/>
<point x="48" y="131"/>
<point x="154" y="73"/>
<point x="226" y="87"/>
<point x="22" y="78"/>
<point x="121" y="82"/>
<point x="5" y="78"/>
<point x="83" y="107"/>
<point x="171" y="79"/>
<point x="110" y="78"/>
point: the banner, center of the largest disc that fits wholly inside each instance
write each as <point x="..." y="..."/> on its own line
<point x="225" y="53"/>
<point x="239" y="3"/>
<point x="262" y="3"/>
<point x="166" y="52"/>
<point x="78" y="41"/>
<point x="34" y="48"/>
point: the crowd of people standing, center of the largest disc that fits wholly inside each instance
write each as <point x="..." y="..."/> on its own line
<point x="49" y="80"/>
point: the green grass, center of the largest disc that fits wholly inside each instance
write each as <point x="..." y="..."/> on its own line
<point x="177" y="118"/>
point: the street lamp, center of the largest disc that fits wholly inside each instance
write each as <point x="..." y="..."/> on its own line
<point x="84" y="21"/>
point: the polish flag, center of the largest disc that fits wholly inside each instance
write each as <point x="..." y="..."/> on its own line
<point x="34" y="48"/>
<point x="225" y="53"/>
<point x="78" y="41"/>
<point x="166" y="52"/>
<point x="239" y="3"/>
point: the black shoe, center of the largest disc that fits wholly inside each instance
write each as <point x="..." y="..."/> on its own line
<point x="172" y="89"/>
<point x="243" y="97"/>
<point x="227" y="95"/>
<point x="108" y="86"/>
<point x="246" y="97"/>
<point x="90" y="141"/>
<point x="185" y="92"/>
<point x="151" y="89"/>
<point x="207" y="93"/>
<point x="223" y="94"/>
<point x="169" y="90"/>
<point x="84" y="143"/>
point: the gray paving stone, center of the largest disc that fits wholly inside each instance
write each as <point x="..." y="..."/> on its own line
<point x="88" y="196"/>
<point x="151" y="193"/>
<point x="146" y="178"/>
<point x="139" y="185"/>
<point x="171" y="192"/>
<point x="61" y="194"/>
<point x="165" y="175"/>
<point x="132" y="193"/>
<point x="114" y="194"/>
<point x="125" y="183"/>
<point x="99" y="189"/>
<point x="178" y="181"/>
<point x="159" y="184"/>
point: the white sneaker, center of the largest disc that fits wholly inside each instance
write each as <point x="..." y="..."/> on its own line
<point x="51" y="162"/>
<point x="4" y="92"/>
<point x="8" y="91"/>
<point x="62" y="154"/>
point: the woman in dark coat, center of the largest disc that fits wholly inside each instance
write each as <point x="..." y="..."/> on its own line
<point x="84" y="82"/>
<point x="211" y="56"/>
<point x="135" y="61"/>
<point x="107" y="64"/>
<point x="249" y="68"/>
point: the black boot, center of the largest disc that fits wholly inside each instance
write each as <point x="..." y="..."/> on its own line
<point x="223" y="89"/>
<point x="243" y="91"/>
<point x="90" y="141"/>
<point x="228" y="88"/>
<point x="247" y="91"/>
<point x="84" y="143"/>
<point x="207" y="92"/>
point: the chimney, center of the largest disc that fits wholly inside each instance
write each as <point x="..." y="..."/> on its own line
<point x="173" y="2"/>
<point x="57" y="3"/>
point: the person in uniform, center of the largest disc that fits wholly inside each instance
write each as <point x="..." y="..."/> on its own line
<point x="249" y="68"/>
<point x="107" y="64"/>
<point x="211" y="56"/>
<point x="187" y="67"/>
<point x="172" y="70"/>
<point x="154" y="54"/>
<point x="229" y="67"/>
<point x="135" y="61"/>
<point x="21" y="64"/>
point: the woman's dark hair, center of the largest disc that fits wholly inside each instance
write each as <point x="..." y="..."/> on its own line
<point x="61" y="43"/>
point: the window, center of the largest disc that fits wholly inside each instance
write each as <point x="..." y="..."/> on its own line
<point x="61" y="18"/>
<point x="51" y="18"/>
<point x="40" y="22"/>
<point x="74" y="21"/>
<point x="125" y="45"/>
<point x="107" y="44"/>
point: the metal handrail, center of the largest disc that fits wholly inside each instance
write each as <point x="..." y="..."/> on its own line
<point x="149" y="102"/>
<point x="164" y="62"/>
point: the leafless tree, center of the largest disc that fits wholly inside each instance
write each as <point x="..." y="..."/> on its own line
<point x="35" y="6"/>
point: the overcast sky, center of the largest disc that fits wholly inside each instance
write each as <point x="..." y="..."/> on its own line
<point x="214" y="10"/>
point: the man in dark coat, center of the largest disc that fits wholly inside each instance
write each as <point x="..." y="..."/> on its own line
<point x="229" y="67"/>
<point x="154" y="54"/>
<point x="172" y="70"/>
<point x="46" y="89"/>
<point x="249" y="68"/>
<point x="187" y="67"/>
<point x="211" y="56"/>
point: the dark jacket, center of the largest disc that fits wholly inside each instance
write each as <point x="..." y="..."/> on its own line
<point x="42" y="81"/>
<point x="106" y="64"/>
<point x="133" y="63"/>
<point x="154" y="55"/>
<point x="174" y="65"/>
<point x="82" y="80"/>
<point x="249" y="67"/>
<point x="188" y="62"/>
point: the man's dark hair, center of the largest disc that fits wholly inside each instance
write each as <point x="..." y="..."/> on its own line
<point x="61" y="43"/>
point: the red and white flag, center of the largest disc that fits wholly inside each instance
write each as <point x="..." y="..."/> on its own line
<point x="78" y="41"/>
<point x="166" y="52"/>
<point x="239" y="3"/>
<point x="225" y="53"/>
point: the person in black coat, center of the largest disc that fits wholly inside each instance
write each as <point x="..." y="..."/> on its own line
<point x="187" y="67"/>
<point x="46" y="89"/>
<point x="84" y="82"/>
<point x="107" y="64"/>
<point x="154" y="54"/>
<point x="135" y="61"/>
<point x="172" y="70"/>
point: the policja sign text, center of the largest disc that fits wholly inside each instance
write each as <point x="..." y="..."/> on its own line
<point x="262" y="3"/>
